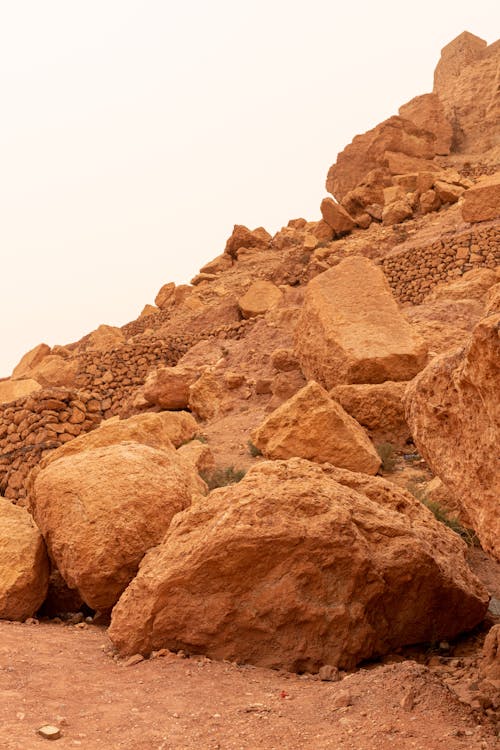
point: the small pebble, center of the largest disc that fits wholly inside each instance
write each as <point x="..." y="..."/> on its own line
<point x="49" y="732"/>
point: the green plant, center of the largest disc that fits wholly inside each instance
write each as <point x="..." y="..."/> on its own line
<point x="441" y="514"/>
<point x="386" y="453"/>
<point x="253" y="450"/>
<point x="222" y="477"/>
<point x="201" y="438"/>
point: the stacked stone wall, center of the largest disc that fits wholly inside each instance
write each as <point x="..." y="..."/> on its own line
<point x="34" y="425"/>
<point x="412" y="272"/>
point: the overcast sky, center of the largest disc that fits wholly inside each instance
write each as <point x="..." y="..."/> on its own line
<point x="135" y="133"/>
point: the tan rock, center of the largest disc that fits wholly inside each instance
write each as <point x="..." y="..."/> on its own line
<point x="101" y="509"/>
<point x="472" y="285"/>
<point x="492" y="299"/>
<point x="490" y="664"/>
<point x="397" y="212"/>
<point x="168" y="387"/>
<point x="311" y="425"/>
<point x="377" y="407"/>
<point x="397" y="163"/>
<point x="166" y="296"/>
<point x="429" y="201"/>
<point x="284" y="385"/>
<point x="105" y="338"/>
<point x="321" y="230"/>
<point x="296" y="570"/>
<point x="56" y="371"/>
<point x="447" y="192"/>
<point x="427" y="112"/>
<point x="336" y="217"/>
<point x="260" y="297"/>
<point x="197" y="455"/>
<point x="206" y="395"/>
<point x="482" y="202"/>
<point x="149" y="310"/>
<point x="217" y="265"/>
<point x="453" y="411"/>
<point x="351" y="331"/>
<point x="24" y="565"/>
<point x="11" y="390"/>
<point x="284" y="360"/>
<point x="30" y="360"/>
<point x="244" y="237"/>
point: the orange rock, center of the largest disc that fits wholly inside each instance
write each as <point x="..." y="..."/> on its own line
<point x="260" y="297"/>
<point x="336" y="217"/>
<point x="105" y="338"/>
<point x="351" y="331"/>
<point x="472" y="285"/>
<point x="217" y="265"/>
<point x="453" y="411"/>
<point x="206" y="395"/>
<point x="11" y="390"/>
<point x="24" y="565"/>
<point x="30" y="360"/>
<point x="101" y="509"/>
<point x="168" y="387"/>
<point x="297" y="567"/>
<point x="397" y="212"/>
<point x="482" y="201"/>
<point x="377" y="407"/>
<point x="149" y="310"/>
<point x="197" y="455"/>
<point x="447" y="192"/>
<point x="490" y="664"/>
<point x="56" y="371"/>
<point x="321" y="230"/>
<point x="244" y="237"/>
<point x="166" y="296"/>
<point x="311" y="425"/>
<point x="427" y="112"/>
<point x="429" y="201"/>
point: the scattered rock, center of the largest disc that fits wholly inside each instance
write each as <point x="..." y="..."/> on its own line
<point x="49" y="732"/>
<point x="260" y="297"/>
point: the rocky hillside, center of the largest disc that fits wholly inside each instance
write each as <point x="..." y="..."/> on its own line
<point x="285" y="462"/>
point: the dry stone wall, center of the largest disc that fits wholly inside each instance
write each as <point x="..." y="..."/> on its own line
<point x="413" y="272"/>
<point x="34" y="425"/>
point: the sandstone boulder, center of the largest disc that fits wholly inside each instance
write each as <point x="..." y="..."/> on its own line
<point x="105" y="338"/>
<point x="101" y="509"/>
<point x="427" y="112"/>
<point x="217" y="265"/>
<point x="244" y="237"/>
<point x="453" y="411"/>
<point x="168" y="387"/>
<point x="378" y="408"/>
<point x="197" y="455"/>
<point x="490" y="664"/>
<point x="30" y="360"/>
<point x="148" y="310"/>
<point x="206" y="395"/>
<point x="55" y="371"/>
<point x="294" y="568"/>
<point x="24" y="565"/>
<point x="311" y="425"/>
<point x="351" y="331"/>
<point x="482" y="202"/>
<point x="11" y="390"/>
<point x="166" y="296"/>
<point x="336" y="217"/>
<point x="260" y="297"/>
<point x="473" y="285"/>
<point x="395" y="213"/>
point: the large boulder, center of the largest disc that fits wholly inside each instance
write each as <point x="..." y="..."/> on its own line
<point x="55" y="371"/>
<point x="102" y="508"/>
<point x="105" y="338"/>
<point x="168" y="387"/>
<point x="260" y="297"/>
<point x="427" y="112"/>
<point x="472" y="285"/>
<point x="30" y="360"/>
<point x="351" y="331"/>
<point x="336" y="217"/>
<point x="377" y="407"/>
<point x="298" y="566"/>
<point x="311" y="425"/>
<point x="24" y="565"/>
<point x="482" y="202"/>
<point x="11" y="390"/>
<point x="258" y="239"/>
<point x="453" y="411"/>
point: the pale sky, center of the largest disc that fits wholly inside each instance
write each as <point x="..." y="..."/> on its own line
<point x="135" y="133"/>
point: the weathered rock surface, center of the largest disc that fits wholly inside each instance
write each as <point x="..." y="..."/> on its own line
<point x="54" y="370"/>
<point x="453" y="411"/>
<point x="105" y="338"/>
<point x="241" y="237"/>
<point x="314" y="426"/>
<point x="351" y="331"/>
<point x="427" y="112"/>
<point x="336" y="217"/>
<point x="10" y="390"/>
<point x="482" y="202"/>
<point x="30" y="360"/>
<point x="24" y="565"/>
<point x="260" y="297"/>
<point x="296" y="567"/>
<point x="168" y="387"/>
<point x="490" y="665"/>
<point x="101" y="509"/>
<point x="377" y="407"/>
<point x="472" y="285"/>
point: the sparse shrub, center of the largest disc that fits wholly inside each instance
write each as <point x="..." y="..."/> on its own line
<point x="253" y="450"/>
<point x="222" y="477"/>
<point x="200" y="438"/>
<point x="441" y="514"/>
<point x="386" y="453"/>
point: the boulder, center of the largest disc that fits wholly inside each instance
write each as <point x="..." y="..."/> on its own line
<point x="258" y="239"/>
<point x="11" y="390"/>
<point x="429" y="201"/>
<point x="217" y="265"/>
<point x="168" y="387"/>
<point x="378" y="408"/>
<point x="473" y="285"/>
<point x="311" y="425"/>
<point x="198" y="455"/>
<point x="482" y="202"/>
<point x="24" y="565"/>
<point x="447" y="192"/>
<point x="148" y="310"/>
<point x="206" y="395"/>
<point x="296" y="567"/>
<point x="336" y="217"/>
<point x="166" y="296"/>
<point x="427" y="112"/>
<point x="55" y="371"/>
<point x="260" y="297"/>
<point x="105" y="338"/>
<point x="351" y="331"/>
<point x="490" y="663"/>
<point x="99" y="510"/>
<point x="453" y="411"/>
<point x="492" y="299"/>
<point x="396" y="212"/>
<point x="30" y="360"/>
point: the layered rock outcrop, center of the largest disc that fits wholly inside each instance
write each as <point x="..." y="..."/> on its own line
<point x="453" y="411"/>
<point x="351" y="331"/>
<point x="296" y="567"/>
